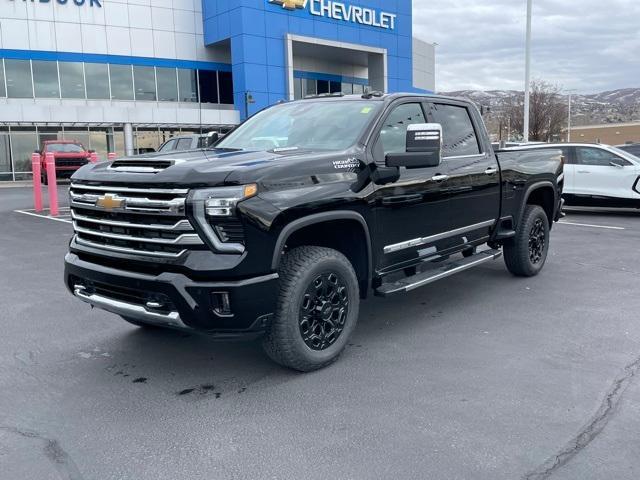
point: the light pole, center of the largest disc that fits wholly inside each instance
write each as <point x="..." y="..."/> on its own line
<point x="569" y="119"/>
<point x="527" y="73"/>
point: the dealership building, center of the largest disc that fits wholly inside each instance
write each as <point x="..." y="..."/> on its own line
<point x="122" y="75"/>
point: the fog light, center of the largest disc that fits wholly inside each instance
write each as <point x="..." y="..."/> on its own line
<point x="221" y="304"/>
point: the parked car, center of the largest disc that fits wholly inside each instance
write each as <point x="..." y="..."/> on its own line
<point x="632" y="148"/>
<point x="599" y="175"/>
<point x="69" y="156"/>
<point x="190" y="142"/>
<point x="374" y="193"/>
<point x="144" y="150"/>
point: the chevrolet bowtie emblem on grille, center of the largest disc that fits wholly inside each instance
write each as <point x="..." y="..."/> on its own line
<point x="290" y="4"/>
<point x="109" y="202"/>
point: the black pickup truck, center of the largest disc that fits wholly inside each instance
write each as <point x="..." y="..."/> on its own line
<point x="280" y="229"/>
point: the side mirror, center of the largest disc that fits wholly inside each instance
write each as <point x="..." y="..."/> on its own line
<point x="424" y="147"/>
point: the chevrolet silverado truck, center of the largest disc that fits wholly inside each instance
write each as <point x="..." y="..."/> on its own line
<point x="283" y="227"/>
<point x="68" y="155"/>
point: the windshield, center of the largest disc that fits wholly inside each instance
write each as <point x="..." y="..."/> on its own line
<point x="333" y="125"/>
<point x="65" y="148"/>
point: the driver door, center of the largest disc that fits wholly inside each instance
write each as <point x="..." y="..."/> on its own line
<point x="415" y="207"/>
<point x="601" y="173"/>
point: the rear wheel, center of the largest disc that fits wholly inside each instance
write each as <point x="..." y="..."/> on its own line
<point x="526" y="253"/>
<point x="317" y="309"/>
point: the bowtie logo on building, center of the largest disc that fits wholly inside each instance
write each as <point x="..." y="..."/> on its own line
<point x="290" y="4"/>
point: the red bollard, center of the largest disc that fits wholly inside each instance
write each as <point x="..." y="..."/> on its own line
<point x="94" y="157"/>
<point x="50" y="162"/>
<point x="36" y="168"/>
<point x="111" y="156"/>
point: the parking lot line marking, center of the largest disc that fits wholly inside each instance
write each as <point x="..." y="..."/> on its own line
<point x="43" y="216"/>
<point x="606" y="227"/>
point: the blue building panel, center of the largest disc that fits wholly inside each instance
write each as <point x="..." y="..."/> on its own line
<point x="258" y="29"/>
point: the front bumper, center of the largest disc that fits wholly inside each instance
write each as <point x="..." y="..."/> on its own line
<point x="174" y="300"/>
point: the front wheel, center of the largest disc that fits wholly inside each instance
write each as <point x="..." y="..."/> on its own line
<point x="526" y="253"/>
<point x="317" y="309"/>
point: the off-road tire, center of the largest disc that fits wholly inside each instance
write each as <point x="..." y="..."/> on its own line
<point x="299" y="269"/>
<point x="521" y="259"/>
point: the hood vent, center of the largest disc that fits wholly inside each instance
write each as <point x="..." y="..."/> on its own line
<point x="140" y="165"/>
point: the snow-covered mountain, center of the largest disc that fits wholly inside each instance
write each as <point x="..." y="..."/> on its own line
<point x="622" y="105"/>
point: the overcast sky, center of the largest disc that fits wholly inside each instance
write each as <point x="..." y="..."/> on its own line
<point x="588" y="45"/>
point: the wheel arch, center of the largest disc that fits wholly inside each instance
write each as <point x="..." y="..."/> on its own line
<point x="543" y="194"/>
<point x="304" y="231"/>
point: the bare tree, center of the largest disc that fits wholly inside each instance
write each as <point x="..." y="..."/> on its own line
<point x="548" y="112"/>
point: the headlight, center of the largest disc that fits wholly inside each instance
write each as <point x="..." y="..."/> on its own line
<point x="219" y="203"/>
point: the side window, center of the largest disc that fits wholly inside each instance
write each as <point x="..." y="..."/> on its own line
<point x="596" y="157"/>
<point x="184" y="144"/>
<point x="170" y="145"/>
<point x="393" y="135"/>
<point x="457" y="130"/>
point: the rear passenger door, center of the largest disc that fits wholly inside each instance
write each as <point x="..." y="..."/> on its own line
<point x="474" y="175"/>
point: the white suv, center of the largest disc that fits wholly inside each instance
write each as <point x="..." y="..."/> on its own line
<point x="599" y="175"/>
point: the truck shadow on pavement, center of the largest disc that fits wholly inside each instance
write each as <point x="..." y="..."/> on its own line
<point x="193" y="366"/>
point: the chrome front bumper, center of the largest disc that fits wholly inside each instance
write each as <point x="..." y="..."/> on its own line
<point x="130" y="310"/>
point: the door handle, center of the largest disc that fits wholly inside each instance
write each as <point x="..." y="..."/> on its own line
<point x="584" y="171"/>
<point x="491" y="171"/>
<point x="440" y="178"/>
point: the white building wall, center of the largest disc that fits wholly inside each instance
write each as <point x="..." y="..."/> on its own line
<point x="424" y="65"/>
<point x="166" y="29"/>
<point x="169" y="29"/>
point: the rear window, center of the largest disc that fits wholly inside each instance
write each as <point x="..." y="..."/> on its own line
<point x="184" y="144"/>
<point x="65" y="148"/>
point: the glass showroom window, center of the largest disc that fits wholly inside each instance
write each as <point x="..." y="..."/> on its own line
<point x="3" y="90"/>
<point x="97" y="81"/>
<point x="167" y="81"/>
<point x="5" y="157"/>
<point x="145" y="83"/>
<point x="45" y="79"/>
<point x="208" y="84"/>
<point x="23" y="143"/>
<point x="188" y="85"/>
<point x="18" y="74"/>
<point x="71" y="80"/>
<point x="309" y="87"/>
<point x="121" y="82"/>
<point x="225" y="86"/>
<point x="347" y="88"/>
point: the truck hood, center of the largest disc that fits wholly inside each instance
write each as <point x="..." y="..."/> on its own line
<point x="196" y="168"/>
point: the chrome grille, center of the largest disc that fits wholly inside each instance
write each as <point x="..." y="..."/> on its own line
<point x="145" y="221"/>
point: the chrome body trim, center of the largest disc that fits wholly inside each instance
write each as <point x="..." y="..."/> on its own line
<point x="175" y="205"/>
<point x="181" y="226"/>
<point x="131" y="251"/>
<point x="434" y="238"/>
<point x="453" y="271"/>
<point x="106" y="188"/>
<point x="184" y="239"/>
<point x="130" y="310"/>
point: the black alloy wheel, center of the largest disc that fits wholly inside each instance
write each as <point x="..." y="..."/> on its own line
<point x="324" y="310"/>
<point x="537" y="241"/>
<point x="526" y="253"/>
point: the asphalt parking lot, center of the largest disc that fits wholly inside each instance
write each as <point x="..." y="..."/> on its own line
<point x="480" y="376"/>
